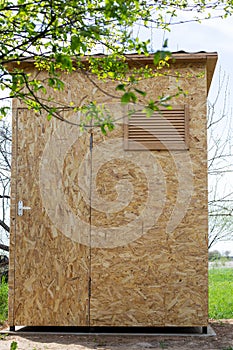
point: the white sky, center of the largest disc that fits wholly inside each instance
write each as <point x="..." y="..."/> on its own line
<point x="210" y="35"/>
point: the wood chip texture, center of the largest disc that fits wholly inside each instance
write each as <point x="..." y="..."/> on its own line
<point x="114" y="237"/>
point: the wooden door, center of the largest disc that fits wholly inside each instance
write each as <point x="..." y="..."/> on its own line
<point x="51" y="276"/>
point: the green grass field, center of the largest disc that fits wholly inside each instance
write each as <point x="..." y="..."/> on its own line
<point x="221" y="293"/>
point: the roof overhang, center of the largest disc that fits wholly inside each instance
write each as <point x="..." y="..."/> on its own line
<point x="209" y="58"/>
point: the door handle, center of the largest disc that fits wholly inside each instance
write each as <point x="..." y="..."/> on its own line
<point x="21" y="208"/>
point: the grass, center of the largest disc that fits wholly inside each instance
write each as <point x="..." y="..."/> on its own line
<point x="221" y="293"/>
<point x="3" y="302"/>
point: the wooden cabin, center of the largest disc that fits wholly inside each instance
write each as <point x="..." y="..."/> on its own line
<point x="111" y="230"/>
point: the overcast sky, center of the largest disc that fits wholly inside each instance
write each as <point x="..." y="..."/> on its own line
<point x="210" y="35"/>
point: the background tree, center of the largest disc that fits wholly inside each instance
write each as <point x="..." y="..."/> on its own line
<point x="57" y="34"/>
<point x="214" y="255"/>
<point x="5" y="169"/>
<point x="220" y="164"/>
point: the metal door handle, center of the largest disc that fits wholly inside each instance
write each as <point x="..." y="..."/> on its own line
<point x="21" y="208"/>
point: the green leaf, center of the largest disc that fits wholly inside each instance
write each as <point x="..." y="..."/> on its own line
<point x="75" y="43"/>
<point x="143" y="93"/>
<point x="133" y="97"/>
<point x="157" y="58"/>
<point x="165" y="98"/>
<point x="14" y="345"/>
<point x="51" y="82"/>
<point x="150" y="108"/>
<point x="125" y="98"/>
<point x="165" y="44"/>
<point x="102" y="127"/>
<point x="110" y="126"/>
<point x="4" y="111"/>
<point x="149" y="112"/>
<point x="161" y="55"/>
<point x="120" y="87"/>
<point x="128" y="97"/>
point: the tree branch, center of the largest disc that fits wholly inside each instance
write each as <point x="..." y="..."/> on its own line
<point x="5" y="226"/>
<point x="4" y="247"/>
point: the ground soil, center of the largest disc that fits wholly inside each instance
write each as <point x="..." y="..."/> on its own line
<point x="222" y="341"/>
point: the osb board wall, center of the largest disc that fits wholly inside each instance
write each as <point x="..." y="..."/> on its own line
<point x="113" y="238"/>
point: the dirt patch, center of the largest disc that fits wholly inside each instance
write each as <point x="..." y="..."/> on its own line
<point x="222" y="341"/>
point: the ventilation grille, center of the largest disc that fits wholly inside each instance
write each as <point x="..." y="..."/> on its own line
<point x="165" y="129"/>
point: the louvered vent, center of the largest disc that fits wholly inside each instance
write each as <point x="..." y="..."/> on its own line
<point x="165" y="129"/>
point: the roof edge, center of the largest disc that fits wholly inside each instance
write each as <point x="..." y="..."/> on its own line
<point x="210" y="58"/>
